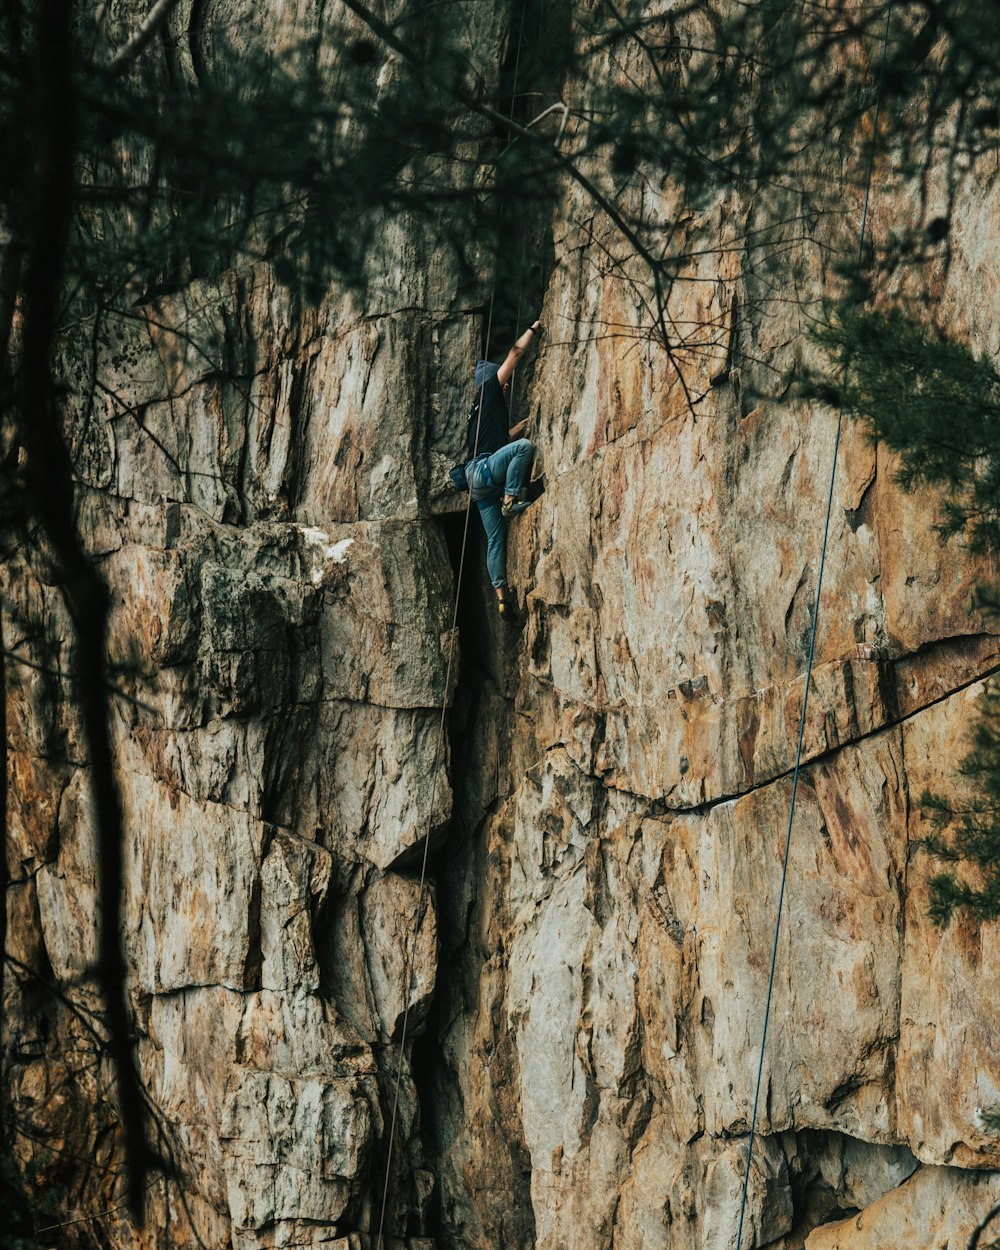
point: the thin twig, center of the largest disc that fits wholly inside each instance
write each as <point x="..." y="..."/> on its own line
<point x="152" y="22"/>
<point x="97" y="1215"/>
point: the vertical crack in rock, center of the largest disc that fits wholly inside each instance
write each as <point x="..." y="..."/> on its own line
<point x="472" y="919"/>
<point x="262" y="485"/>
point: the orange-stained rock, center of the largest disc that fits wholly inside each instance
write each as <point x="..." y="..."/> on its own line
<point x="936" y="1206"/>
<point x="603" y="792"/>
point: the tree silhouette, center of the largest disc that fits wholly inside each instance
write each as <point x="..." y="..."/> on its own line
<point x="150" y="156"/>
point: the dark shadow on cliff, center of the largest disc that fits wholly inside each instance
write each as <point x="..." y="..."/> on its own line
<point x="482" y="1192"/>
<point x="468" y="877"/>
<point x="539" y="56"/>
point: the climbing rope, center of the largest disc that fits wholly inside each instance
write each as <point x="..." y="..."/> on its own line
<point x="809" y="666"/>
<point x="412" y="946"/>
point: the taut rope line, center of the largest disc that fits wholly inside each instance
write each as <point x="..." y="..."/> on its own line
<point x="809" y="666"/>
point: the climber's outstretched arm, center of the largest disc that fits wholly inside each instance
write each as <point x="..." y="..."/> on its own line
<point x="506" y="370"/>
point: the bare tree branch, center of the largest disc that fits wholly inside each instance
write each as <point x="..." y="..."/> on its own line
<point x="152" y="22"/>
<point x="386" y="33"/>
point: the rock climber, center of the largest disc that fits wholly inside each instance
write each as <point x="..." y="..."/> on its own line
<point x="499" y="462"/>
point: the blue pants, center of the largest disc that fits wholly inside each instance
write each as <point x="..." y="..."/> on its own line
<point x="506" y="473"/>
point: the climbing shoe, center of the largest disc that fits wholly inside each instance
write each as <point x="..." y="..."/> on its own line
<point x="514" y="507"/>
<point x="506" y="610"/>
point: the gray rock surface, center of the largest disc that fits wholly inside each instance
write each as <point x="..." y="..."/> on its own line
<point x="606" y="811"/>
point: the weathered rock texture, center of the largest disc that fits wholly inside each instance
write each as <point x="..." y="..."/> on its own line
<point x="607" y="812"/>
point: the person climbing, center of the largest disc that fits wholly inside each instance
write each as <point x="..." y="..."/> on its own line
<point x="499" y="462"/>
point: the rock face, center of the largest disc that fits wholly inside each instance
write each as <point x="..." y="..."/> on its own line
<point x="587" y="969"/>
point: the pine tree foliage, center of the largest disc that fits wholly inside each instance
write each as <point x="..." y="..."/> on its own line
<point x="937" y="406"/>
<point x="133" y="168"/>
<point x="934" y="403"/>
<point x="968" y="837"/>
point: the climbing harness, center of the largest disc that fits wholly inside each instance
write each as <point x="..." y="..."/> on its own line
<point x="809" y="666"/>
<point x="479" y="480"/>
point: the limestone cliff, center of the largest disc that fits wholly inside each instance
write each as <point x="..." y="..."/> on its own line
<point x="606" y="811"/>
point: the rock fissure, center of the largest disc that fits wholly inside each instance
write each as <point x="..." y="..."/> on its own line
<point x="588" y="977"/>
<point x="661" y="807"/>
